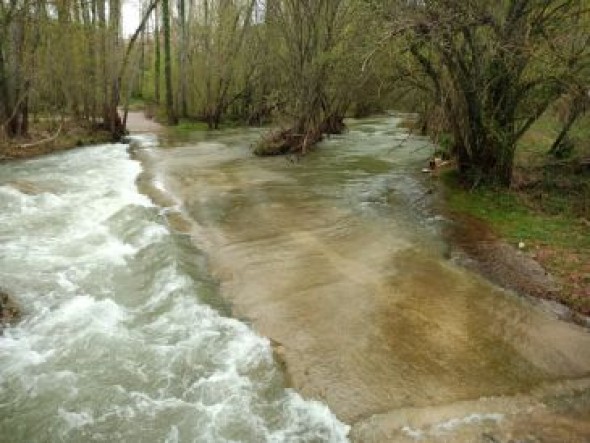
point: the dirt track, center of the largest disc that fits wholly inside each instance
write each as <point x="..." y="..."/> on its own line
<point x="138" y="122"/>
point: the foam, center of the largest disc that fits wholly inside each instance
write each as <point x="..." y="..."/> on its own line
<point x="116" y="343"/>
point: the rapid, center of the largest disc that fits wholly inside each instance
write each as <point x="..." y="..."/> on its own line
<point x="176" y="288"/>
<point x="124" y="336"/>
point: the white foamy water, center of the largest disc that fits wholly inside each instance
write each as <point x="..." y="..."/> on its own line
<point x="120" y="338"/>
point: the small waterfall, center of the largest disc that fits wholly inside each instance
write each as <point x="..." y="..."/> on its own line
<point x="119" y="339"/>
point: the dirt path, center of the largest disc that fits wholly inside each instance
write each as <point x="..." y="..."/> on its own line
<point x="137" y="122"/>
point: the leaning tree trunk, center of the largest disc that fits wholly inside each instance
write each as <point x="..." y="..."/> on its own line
<point x="577" y="108"/>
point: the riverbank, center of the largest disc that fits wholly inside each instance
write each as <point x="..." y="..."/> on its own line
<point x="519" y="248"/>
<point x="46" y="140"/>
<point x="327" y="258"/>
<point x="535" y="237"/>
<point x="43" y="140"/>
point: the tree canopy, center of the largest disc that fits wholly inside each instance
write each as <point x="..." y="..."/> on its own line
<point x="480" y="72"/>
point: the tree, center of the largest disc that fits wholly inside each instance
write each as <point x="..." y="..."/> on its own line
<point x="227" y="56"/>
<point x="170" y="113"/>
<point x="313" y="38"/>
<point x="14" y="78"/>
<point x="157" y="59"/>
<point x="182" y="58"/>
<point x="493" y="68"/>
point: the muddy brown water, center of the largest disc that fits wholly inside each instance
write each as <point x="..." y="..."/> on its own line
<point x="339" y="259"/>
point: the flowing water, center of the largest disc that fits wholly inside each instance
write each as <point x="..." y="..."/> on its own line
<point x="254" y="294"/>
<point x="124" y="337"/>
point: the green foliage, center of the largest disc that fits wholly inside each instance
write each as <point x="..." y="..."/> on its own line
<point x="491" y="69"/>
<point x="445" y="143"/>
<point x="191" y="126"/>
<point x="534" y="146"/>
<point x="514" y="218"/>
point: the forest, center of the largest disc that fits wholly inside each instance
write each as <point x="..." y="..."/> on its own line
<point x="479" y="74"/>
<point x="295" y="220"/>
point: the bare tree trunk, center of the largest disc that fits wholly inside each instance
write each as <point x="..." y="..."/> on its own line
<point x="157" y="61"/>
<point x="142" y="62"/>
<point x="115" y="123"/>
<point x="16" y="86"/>
<point x="182" y="74"/>
<point x="172" y="120"/>
<point x="577" y="108"/>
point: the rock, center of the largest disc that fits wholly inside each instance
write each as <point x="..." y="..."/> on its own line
<point x="9" y="312"/>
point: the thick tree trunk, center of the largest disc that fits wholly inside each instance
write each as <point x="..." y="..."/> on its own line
<point x="487" y="164"/>
<point x="102" y="37"/>
<point x="141" y="61"/>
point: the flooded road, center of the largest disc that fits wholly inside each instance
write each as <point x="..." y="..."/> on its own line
<point x="337" y="258"/>
<point x="179" y="290"/>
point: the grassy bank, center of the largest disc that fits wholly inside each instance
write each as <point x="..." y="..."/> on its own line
<point x="45" y="138"/>
<point x="547" y="209"/>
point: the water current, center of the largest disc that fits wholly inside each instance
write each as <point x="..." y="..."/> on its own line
<point x="123" y="336"/>
<point x="279" y="299"/>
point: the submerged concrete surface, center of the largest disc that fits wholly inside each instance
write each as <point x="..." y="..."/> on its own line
<point x="335" y="258"/>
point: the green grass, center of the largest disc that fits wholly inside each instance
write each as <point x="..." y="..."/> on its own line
<point x="188" y="125"/>
<point x="185" y="126"/>
<point x="548" y="208"/>
<point x="534" y="145"/>
<point x="510" y="215"/>
<point x="553" y="202"/>
<point x="137" y="104"/>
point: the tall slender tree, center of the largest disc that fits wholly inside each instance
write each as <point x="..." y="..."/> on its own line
<point x="170" y="113"/>
<point x="157" y="58"/>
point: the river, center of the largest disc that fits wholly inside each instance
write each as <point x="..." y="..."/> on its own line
<point x="179" y="289"/>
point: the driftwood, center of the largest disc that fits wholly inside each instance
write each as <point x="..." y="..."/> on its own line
<point x="43" y="141"/>
<point x="287" y="141"/>
<point x="298" y="140"/>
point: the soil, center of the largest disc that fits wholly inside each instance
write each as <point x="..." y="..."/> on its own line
<point x="475" y="246"/>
